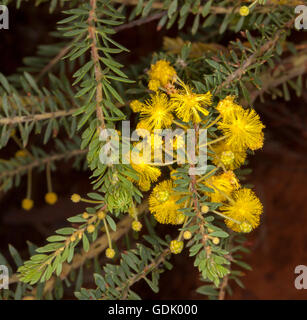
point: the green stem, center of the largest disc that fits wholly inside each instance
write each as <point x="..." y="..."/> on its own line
<point x="108" y="233"/>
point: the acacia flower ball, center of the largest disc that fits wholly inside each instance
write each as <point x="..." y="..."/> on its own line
<point x="27" y="204"/>
<point x="20" y="154"/>
<point x="90" y="228"/>
<point x="85" y="215"/>
<point x="244" y="11"/>
<point x="205" y="209"/>
<point x="72" y="238"/>
<point x="101" y="215"/>
<point x="110" y="253"/>
<point x="136" y="226"/>
<point x="216" y="240"/>
<point x="243" y="129"/>
<point x="161" y="73"/>
<point x="51" y="198"/>
<point x="176" y="246"/>
<point x="75" y="198"/>
<point x="180" y="218"/>
<point x="187" y="235"/>
<point x="163" y="203"/>
<point x="245" y="208"/>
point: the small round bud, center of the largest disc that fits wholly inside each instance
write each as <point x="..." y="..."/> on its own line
<point x="90" y="228"/>
<point x="101" y="215"/>
<point x="85" y="215"/>
<point x="205" y="209"/>
<point x="21" y="154"/>
<point x="27" y="204"/>
<point x="28" y="298"/>
<point x="176" y="246"/>
<point x="180" y="218"/>
<point x="244" y="11"/>
<point x="110" y="253"/>
<point x="51" y="198"/>
<point x="187" y="235"/>
<point x="72" y="238"/>
<point x="246" y="227"/>
<point x="216" y="240"/>
<point x="136" y="226"/>
<point x="75" y="198"/>
<point x="227" y="157"/>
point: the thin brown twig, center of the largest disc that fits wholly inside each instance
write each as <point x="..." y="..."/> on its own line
<point x="250" y="60"/>
<point x="290" y="68"/>
<point x="120" y="28"/>
<point x="196" y="206"/>
<point x="147" y="269"/>
<point x="38" y="162"/>
<point x="223" y="287"/>
<point x="37" y="117"/>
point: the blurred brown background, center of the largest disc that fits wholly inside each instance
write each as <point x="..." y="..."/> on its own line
<point x="279" y="175"/>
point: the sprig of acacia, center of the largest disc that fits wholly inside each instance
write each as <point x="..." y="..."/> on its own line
<point x="91" y="102"/>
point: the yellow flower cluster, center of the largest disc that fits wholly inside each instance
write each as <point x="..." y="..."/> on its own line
<point x="238" y="130"/>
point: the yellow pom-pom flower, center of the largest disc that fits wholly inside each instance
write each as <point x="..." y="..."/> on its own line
<point x="188" y="105"/>
<point x="75" y="198"/>
<point x="243" y="129"/>
<point x="136" y="226"/>
<point x="231" y="159"/>
<point x="162" y="203"/>
<point x="51" y="198"/>
<point x="244" y="11"/>
<point x="176" y="246"/>
<point x="245" y="208"/>
<point x="205" y="209"/>
<point x="110" y="253"/>
<point x="27" y="204"/>
<point x="216" y="240"/>
<point x="160" y="74"/>
<point x="223" y="185"/>
<point x="156" y="113"/>
<point x="90" y="228"/>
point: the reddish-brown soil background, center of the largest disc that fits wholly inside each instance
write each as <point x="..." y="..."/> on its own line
<point x="279" y="175"/>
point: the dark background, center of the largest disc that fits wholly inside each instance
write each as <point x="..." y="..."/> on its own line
<point x="279" y="175"/>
